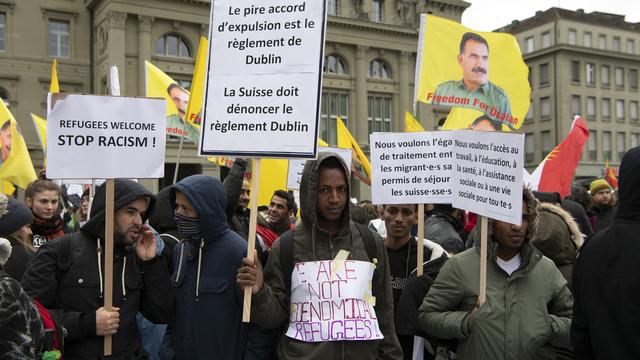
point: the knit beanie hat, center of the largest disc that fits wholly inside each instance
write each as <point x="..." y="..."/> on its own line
<point x="13" y="215"/>
<point x="598" y="185"/>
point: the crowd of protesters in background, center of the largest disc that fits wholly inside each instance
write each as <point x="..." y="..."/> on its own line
<point x="559" y="286"/>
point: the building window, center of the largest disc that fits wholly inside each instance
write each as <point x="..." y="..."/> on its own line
<point x="3" y="32"/>
<point x="573" y="35"/>
<point x="529" y="148"/>
<point x="635" y="139"/>
<point x="334" y="64"/>
<point x="379" y="113"/>
<point x="544" y="74"/>
<point x="333" y="7"/>
<point x="606" y="109"/>
<point x="333" y="105"/>
<point x="633" y="111"/>
<point x="619" y="77"/>
<point x="545" y="108"/>
<point x="631" y="46"/>
<point x="622" y="146"/>
<point x="546" y="39"/>
<point x="184" y="83"/>
<point x="620" y="110"/>
<point x="173" y="45"/>
<point x="602" y="42"/>
<point x="529" y="116"/>
<point x="604" y="75"/>
<point x="59" y="38"/>
<point x="575" y="71"/>
<point x="616" y="44"/>
<point x="379" y="70"/>
<point x="530" y="77"/>
<point x="377" y="10"/>
<point x="592" y="145"/>
<point x="591" y="107"/>
<point x="606" y="144"/>
<point x="547" y="144"/>
<point x="590" y="70"/>
<point x="586" y="39"/>
<point x="575" y="105"/>
<point x="633" y="79"/>
<point x="528" y="45"/>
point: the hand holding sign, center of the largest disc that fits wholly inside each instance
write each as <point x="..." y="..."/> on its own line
<point x="250" y="274"/>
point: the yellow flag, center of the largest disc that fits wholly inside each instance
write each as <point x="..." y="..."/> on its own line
<point x="460" y="118"/>
<point x="273" y="176"/>
<point x="322" y="143"/>
<point x="162" y="85"/>
<point x="54" y="87"/>
<point x="411" y="124"/>
<point x="360" y="161"/>
<point x="484" y="71"/>
<point x="15" y="163"/>
<point x="41" y="130"/>
<point x="194" y="110"/>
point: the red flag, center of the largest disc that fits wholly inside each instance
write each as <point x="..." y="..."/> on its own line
<point x="611" y="175"/>
<point x="555" y="172"/>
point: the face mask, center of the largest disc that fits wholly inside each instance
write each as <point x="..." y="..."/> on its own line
<point x="189" y="228"/>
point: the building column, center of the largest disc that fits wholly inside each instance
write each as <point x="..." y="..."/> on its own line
<point x="405" y="104"/>
<point x="116" y="46"/>
<point x="359" y="128"/>
<point x="144" y="49"/>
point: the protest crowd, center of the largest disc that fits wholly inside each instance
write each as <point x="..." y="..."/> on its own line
<point x="199" y="271"/>
<point x="558" y="285"/>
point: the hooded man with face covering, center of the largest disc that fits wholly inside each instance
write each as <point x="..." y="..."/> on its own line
<point x="67" y="277"/>
<point x="208" y="322"/>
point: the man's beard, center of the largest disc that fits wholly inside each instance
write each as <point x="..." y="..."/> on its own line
<point x="121" y="238"/>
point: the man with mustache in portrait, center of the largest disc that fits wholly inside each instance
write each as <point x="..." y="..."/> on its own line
<point x="475" y="86"/>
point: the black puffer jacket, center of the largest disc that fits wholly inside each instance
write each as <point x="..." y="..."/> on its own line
<point x="74" y="287"/>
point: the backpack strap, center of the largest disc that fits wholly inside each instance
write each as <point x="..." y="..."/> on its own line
<point x="369" y="242"/>
<point x="286" y="256"/>
<point x="372" y="252"/>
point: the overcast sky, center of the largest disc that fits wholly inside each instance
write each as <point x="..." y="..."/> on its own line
<point x="488" y="15"/>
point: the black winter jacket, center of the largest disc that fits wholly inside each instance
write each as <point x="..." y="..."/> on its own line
<point x="76" y="292"/>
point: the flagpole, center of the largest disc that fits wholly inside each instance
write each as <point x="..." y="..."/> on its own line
<point x="175" y="172"/>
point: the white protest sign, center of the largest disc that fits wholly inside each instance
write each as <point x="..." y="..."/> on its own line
<point x="488" y="174"/>
<point x="296" y="166"/>
<point x="264" y="78"/>
<point x="332" y="301"/>
<point x="106" y="137"/>
<point x="411" y="168"/>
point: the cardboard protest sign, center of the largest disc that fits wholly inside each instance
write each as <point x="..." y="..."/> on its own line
<point x="332" y="301"/>
<point x="484" y="71"/>
<point x="105" y="137"/>
<point x="487" y="176"/>
<point x="294" y="173"/>
<point x="412" y="167"/>
<point x="264" y="78"/>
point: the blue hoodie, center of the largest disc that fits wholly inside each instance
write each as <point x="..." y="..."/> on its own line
<point x="208" y="321"/>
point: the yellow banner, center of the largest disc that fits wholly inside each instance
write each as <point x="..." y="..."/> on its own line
<point x="41" y="130"/>
<point x="54" y="87"/>
<point x="360" y="165"/>
<point x="162" y="85"/>
<point x="194" y="110"/>
<point x="411" y="124"/>
<point x="15" y="163"/>
<point x="484" y="71"/>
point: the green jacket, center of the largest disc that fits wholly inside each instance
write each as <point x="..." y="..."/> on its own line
<point x="526" y="316"/>
<point x="270" y="308"/>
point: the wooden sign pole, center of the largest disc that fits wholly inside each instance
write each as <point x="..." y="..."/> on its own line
<point x="420" y="240"/>
<point x="108" y="258"/>
<point x="251" y="241"/>
<point x="482" y="295"/>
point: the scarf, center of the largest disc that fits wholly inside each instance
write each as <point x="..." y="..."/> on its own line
<point x="50" y="229"/>
<point x="189" y="228"/>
